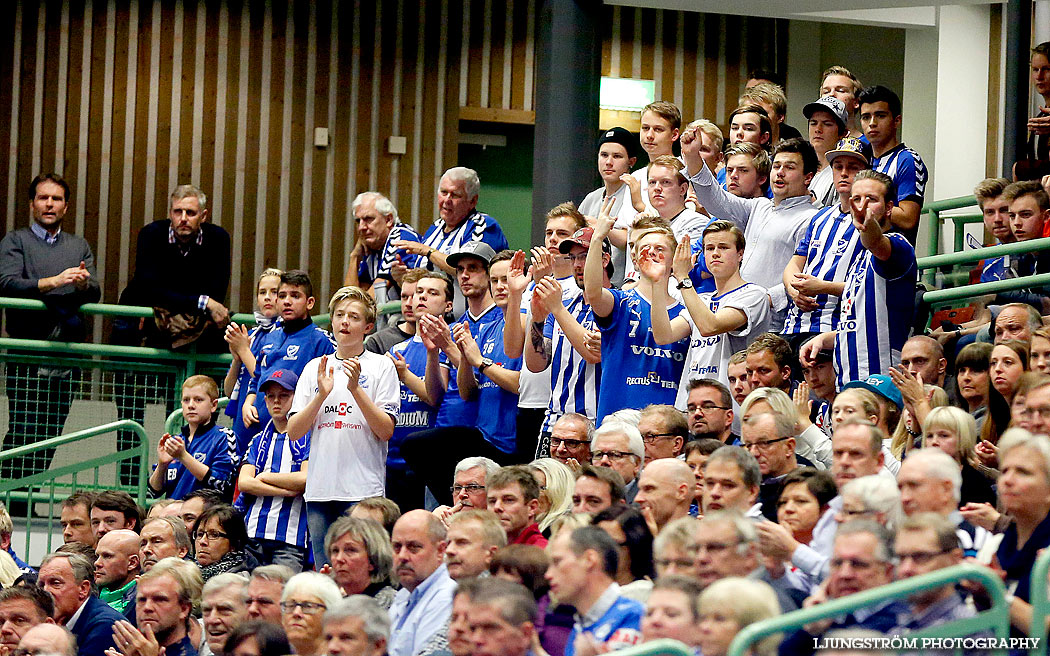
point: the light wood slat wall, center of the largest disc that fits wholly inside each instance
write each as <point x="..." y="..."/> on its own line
<point x="127" y="98"/>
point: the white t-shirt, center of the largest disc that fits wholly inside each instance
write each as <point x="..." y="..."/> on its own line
<point x="624" y="212"/>
<point x="822" y="186"/>
<point x="347" y="460"/>
<point x="708" y="357"/>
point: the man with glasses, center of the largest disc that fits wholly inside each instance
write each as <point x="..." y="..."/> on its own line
<point x="468" y="486"/>
<point x="862" y="559"/>
<point x="571" y="440"/>
<point x="1037" y="407"/>
<point x="663" y="430"/>
<point x="618" y="446"/>
<point x="709" y="411"/>
<point x="770" y="438"/>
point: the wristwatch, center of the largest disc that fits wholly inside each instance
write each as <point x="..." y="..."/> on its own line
<point x="485" y="364"/>
<point x="685" y="284"/>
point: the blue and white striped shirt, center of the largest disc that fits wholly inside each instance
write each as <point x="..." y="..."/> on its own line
<point x="276" y="518"/>
<point x="574" y="381"/>
<point x="831" y="246"/>
<point x="477" y="226"/>
<point x="374" y="268"/>
<point x="909" y="175"/>
<point x="877" y="308"/>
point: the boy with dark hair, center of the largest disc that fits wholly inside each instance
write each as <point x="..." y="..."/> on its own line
<point x="204" y="454"/>
<point x="297" y="342"/>
<point x="880" y="118"/>
<point x="272" y="481"/>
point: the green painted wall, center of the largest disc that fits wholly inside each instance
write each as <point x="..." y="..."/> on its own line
<point x="506" y="177"/>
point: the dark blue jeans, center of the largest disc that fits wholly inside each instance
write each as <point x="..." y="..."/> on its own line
<point x="319" y="516"/>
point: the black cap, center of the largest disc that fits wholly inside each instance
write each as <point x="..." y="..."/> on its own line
<point x="621" y="136"/>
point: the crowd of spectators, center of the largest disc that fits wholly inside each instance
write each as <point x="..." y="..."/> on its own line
<point x="702" y="402"/>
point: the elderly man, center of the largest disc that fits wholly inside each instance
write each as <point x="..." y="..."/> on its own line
<point x="68" y="577"/>
<point x="596" y="489"/>
<point x="862" y="559"/>
<point x="43" y="262"/>
<point x="513" y="494"/>
<point x="166" y="596"/>
<point x="162" y="537"/>
<point x="222" y="609"/>
<point x="459" y="222"/>
<point x="571" y="438"/>
<point x="21" y="609"/>
<point x="473" y="537"/>
<point x="770" y="438"/>
<point x="709" y="411"/>
<point x="927" y="542"/>
<point x="665" y="492"/>
<point x="502" y="618"/>
<point x="356" y="626"/>
<point x="1016" y="321"/>
<point x="583" y="564"/>
<point x="731" y="482"/>
<point x="930" y="482"/>
<point x="664" y="431"/>
<point x="116" y="568"/>
<point x="424" y="603"/>
<point x="468" y="486"/>
<point x="48" y="639"/>
<point x="618" y="446"/>
<point x="263" y="596"/>
<point x="375" y="264"/>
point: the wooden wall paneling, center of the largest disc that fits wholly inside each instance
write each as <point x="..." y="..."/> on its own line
<point x="240" y="33"/>
<point x="409" y="212"/>
<point x="708" y="108"/>
<point x="464" y="55"/>
<point x="375" y="77"/>
<point x="174" y="100"/>
<point x="736" y="66"/>
<point x="679" y="59"/>
<point x="83" y="111"/>
<point x="105" y="141"/>
<point x="510" y="82"/>
<point x="611" y="60"/>
<point x="128" y="136"/>
<point x="694" y="83"/>
<point x="307" y="236"/>
<point x="473" y="41"/>
<point x="627" y="20"/>
<point x="141" y="212"/>
<point x="263" y="136"/>
<point x="528" y="52"/>
<point x="396" y="71"/>
<point x="153" y="115"/>
<point x="656" y="59"/>
<point x="444" y="111"/>
<point x="285" y="33"/>
<point x="198" y="94"/>
<point x="485" y="82"/>
<point x="14" y="83"/>
<point x="223" y="73"/>
<point x="61" y="82"/>
<point x="328" y="40"/>
<point x="638" y="43"/>
<point x="350" y="128"/>
<point x="38" y="83"/>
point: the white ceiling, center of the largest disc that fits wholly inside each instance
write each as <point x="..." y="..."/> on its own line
<point x="885" y="13"/>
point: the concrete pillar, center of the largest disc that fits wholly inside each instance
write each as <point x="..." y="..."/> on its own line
<point x="568" y="74"/>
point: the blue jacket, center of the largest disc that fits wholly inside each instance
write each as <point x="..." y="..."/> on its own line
<point x="94" y="628"/>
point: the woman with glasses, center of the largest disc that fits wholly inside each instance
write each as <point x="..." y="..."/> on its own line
<point x="305" y="598"/>
<point x="219" y="538"/>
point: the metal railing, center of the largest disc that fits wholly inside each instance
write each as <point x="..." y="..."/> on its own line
<point x="59" y="482"/>
<point x="662" y="647"/>
<point x="174" y="423"/>
<point x="996" y="619"/>
<point x="1038" y="595"/>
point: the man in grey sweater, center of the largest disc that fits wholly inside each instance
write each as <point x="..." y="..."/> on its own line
<point x="46" y="263"/>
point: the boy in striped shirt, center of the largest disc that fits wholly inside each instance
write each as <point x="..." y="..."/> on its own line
<point x="878" y="300"/>
<point x="272" y="481"/>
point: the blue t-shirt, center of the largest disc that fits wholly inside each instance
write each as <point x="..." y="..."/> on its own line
<point x="242" y="388"/>
<point x="618" y="627"/>
<point x="214" y="446"/>
<point x="636" y="371"/>
<point x="414" y="415"/>
<point x="497" y="408"/>
<point x="454" y="411"/>
<point x="878" y="306"/>
<point x="275" y="518"/>
<point x="283" y="350"/>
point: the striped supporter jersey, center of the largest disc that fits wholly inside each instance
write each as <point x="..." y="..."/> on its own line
<point x="276" y="518"/>
<point x="831" y="246"/>
<point x="574" y="381"/>
<point x="477" y="226"/>
<point x="878" y="304"/>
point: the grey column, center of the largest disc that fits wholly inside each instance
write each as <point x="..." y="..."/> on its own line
<point x="1018" y="17"/>
<point x="568" y="72"/>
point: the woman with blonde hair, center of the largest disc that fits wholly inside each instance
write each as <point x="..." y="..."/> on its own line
<point x="730" y="604"/>
<point x="556" y="486"/>
<point x="909" y="430"/>
<point x="954" y="431"/>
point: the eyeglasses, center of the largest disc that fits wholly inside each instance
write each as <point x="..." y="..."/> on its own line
<point x="712" y="547"/>
<point x="568" y="444"/>
<point x="921" y="558"/>
<point x="762" y="445"/>
<point x="651" y="438"/>
<point x="211" y="535"/>
<point x="309" y="607"/>
<point x="1043" y="412"/>
<point x="611" y="455"/>
<point x="469" y="489"/>
<point x="705" y="408"/>
<point x="680" y="563"/>
<point x="579" y="257"/>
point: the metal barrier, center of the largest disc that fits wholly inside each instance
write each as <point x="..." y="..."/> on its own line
<point x="662" y="647"/>
<point x="996" y="619"/>
<point x="174" y="423"/>
<point x="59" y="482"/>
<point x="1038" y="595"/>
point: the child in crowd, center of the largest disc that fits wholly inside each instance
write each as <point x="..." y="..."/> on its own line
<point x="245" y="347"/>
<point x="297" y="342"/>
<point x="203" y="454"/>
<point x="349" y="403"/>
<point x="272" y="481"/>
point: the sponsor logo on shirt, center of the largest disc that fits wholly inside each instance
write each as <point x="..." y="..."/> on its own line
<point x="652" y="379"/>
<point x="340" y="425"/>
<point x="340" y="409"/>
<point x="413" y="419"/>
<point x="292" y="353"/>
<point x="656" y="352"/>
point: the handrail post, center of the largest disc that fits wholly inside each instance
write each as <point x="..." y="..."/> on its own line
<point x="1038" y="596"/>
<point x="935" y="243"/>
<point x="958" y="230"/>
